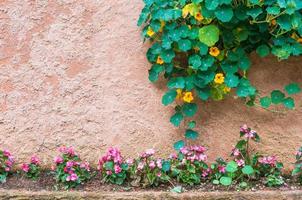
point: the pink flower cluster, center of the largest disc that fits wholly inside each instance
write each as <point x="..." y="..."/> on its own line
<point x="248" y="133"/>
<point x="194" y="153"/>
<point x="71" y="164"/>
<point x="8" y="161"/>
<point x="113" y="155"/>
<point x="34" y="160"/>
<point x="268" y="160"/>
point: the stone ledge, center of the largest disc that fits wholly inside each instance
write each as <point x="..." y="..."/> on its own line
<point x="77" y="195"/>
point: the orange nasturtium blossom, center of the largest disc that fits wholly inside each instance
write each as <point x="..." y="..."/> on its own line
<point x="179" y="94"/>
<point x="274" y="22"/>
<point x="219" y="78"/>
<point x="159" y="60"/>
<point x="198" y="16"/>
<point x="188" y="97"/>
<point x="214" y="51"/>
<point x="299" y="40"/>
<point x="150" y="32"/>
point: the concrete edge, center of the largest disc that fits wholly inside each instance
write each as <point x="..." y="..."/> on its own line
<point x="221" y="195"/>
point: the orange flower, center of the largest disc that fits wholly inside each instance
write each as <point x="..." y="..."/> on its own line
<point x="159" y="60"/>
<point x="219" y="78"/>
<point x="188" y="97"/>
<point x="198" y="16"/>
<point x="214" y="51"/>
<point x="150" y="32"/>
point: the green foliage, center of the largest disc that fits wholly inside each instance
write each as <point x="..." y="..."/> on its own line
<point x="297" y="171"/>
<point x="202" y="48"/>
<point x="247" y="165"/>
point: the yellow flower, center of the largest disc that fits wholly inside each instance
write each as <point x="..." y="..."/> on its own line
<point x="162" y="25"/>
<point x="159" y="60"/>
<point x="150" y="32"/>
<point x="226" y="89"/>
<point x="219" y="78"/>
<point x="214" y="51"/>
<point x="198" y="16"/>
<point x="188" y="97"/>
<point x="179" y="93"/>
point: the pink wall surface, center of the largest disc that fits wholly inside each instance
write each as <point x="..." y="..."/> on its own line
<point x="75" y="73"/>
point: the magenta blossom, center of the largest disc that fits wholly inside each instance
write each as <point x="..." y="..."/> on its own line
<point x="6" y="153"/>
<point x="117" y="169"/>
<point x="25" y="167"/>
<point x="240" y="162"/>
<point x="67" y="151"/>
<point x="268" y="160"/>
<point x="58" y="160"/>
<point x="34" y="160"/>
<point x="235" y="152"/>
<point x="152" y="164"/>
<point x="221" y="169"/>
<point x="72" y="177"/>
<point x="140" y="166"/>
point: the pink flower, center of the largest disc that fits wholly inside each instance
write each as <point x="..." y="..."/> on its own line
<point x="73" y="177"/>
<point x="198" y="149"/>
<point x="173" y="156"/>
<point x="130" y="161"/>
<point x="206" y="172"/>
<point x="250" y="134"/>
<point x="244" y="128"/>
<point x="221" y="169"/>
<point x="70" y="164"/>
<point x="7" y="169"/>
<point x="25" y="167"/>
<point x="140" y="166"/>
<point x="9" y="163"/>
<point x="184" y="150"/>
<point x="158" y="174"/>
<point x="35" y="160"/>
<point x="236" y="152"/>
<point x="85" y="165"/>
<point x="6" y="153"/>
<point x="240" y="162"/>
<point x="298" y="153"/>
<point x="159" y="163"/>
<point x="202" y="157"/>
<point x="108" y="172"/>
<point x="67" y="150"/>
<point x="58" y="160"/>
<point x="269" y="160"/>
<point x="117" y="169"/>
<point x="152" y="164"/>
<point x="53" y="168"/>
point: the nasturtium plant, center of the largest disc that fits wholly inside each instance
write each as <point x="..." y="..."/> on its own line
<point x="202" y="48"/>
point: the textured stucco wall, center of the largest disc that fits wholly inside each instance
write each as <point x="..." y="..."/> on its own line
<point x="74" y="72"/>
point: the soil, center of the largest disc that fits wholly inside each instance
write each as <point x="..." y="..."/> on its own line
<point x="46" y="182"/>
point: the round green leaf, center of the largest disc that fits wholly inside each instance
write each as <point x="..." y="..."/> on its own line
<point x="263" y="50"/>
<point x="226" y="181"/>
<point x="169" y="97"/>
<point x="209" y="35"/>
<point x="224" y="13"/>
<point x="178" y="145"/>
<point x="265" y="102"/>
<point x="248" y="170"/>
<point x="231" y="80"/>
<point x="292" y="88"/>
<point x="289" y="103"/>
<point x="232" y="167"/>
<point x="190" y="134"/>
<point x="176" y="119"/>
<point x="277" y="96"/>
<point x="189" y="109"/>
<point x="184" y="45"/>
